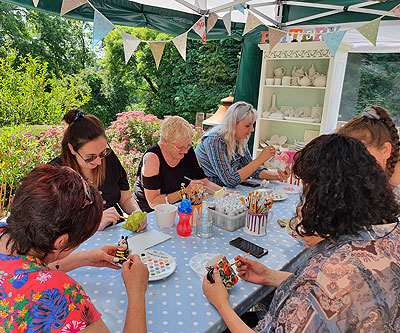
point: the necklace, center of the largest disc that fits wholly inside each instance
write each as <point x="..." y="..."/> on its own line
<point x="89" y="180"/>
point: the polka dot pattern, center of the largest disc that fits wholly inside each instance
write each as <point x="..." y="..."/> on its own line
<point x="177" y="303"/>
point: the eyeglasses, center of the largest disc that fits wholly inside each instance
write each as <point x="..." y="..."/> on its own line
<point x="102" y="154"/>
<point x="182" y="149"/>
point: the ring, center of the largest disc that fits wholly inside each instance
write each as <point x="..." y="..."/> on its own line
<point x="271" y="148"/>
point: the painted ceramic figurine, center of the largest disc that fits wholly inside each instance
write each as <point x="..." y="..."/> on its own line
<point x="123" y="250"/>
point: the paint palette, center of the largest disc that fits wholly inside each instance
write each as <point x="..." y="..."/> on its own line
<point x="159" y="264"/>
<point x="275" y="194"/>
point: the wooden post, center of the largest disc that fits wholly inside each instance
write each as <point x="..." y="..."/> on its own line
<point x="199" y="119"/>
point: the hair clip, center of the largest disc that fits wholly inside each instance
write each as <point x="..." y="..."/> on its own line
<point x="78" y="115"/>
<point x="370" y="113"/>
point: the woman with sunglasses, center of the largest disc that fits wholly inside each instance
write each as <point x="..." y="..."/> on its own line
<point x="168" y="164"/>
<point x="37" y="249"/>
<point x="85" y="149"/>
<point x="223" y="153"/>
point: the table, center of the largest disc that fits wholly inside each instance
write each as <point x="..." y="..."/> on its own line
<point x="177" y="304"/>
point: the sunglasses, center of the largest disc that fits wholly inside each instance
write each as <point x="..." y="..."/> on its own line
<point x="102" y="155"/>
<point x="88" y="199"/>
<point x="182" y="149"/>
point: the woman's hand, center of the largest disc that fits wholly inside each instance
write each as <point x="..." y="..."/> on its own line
<point x="283" y="175"/>
<point x="110" y="216"/>
<point x="251" y="270"/>
<point x="266" y="154"/>
<point x="142" y="225"/>
<point x="102" y="257"/>
<point x="135" y="275"/>
<point x="216" y="292"/>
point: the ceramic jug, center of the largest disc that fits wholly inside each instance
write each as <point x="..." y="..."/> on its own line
<point x="279" y="72"/>
<point x="305" y="81"/>
<point x="311" y="71"/>
<point x="320" y="81"/>
<point x="299" y="72"/>
<point x="316" y="111"/>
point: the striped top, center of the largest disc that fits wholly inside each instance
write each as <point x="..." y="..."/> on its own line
<point x="212" y="154"/>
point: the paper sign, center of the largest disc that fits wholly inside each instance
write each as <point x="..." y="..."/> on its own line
<point x="227" y="22"/>
<point x="251" y="23"/>
<point x="333" y="40"/>
<point x="370" y="30"/>
<point x="69" y="5"/>
<point x="101" y="27"/>
<point x="157" y="48"/>
<point x="212" y="19"/>
<point x="180" y="43"/>
<point x="130" y="45"/>
<point x="275" y="35"/>
<point x="147" y="239"/>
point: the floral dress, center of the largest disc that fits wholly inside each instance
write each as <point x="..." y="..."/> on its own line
<point x="34" y="298"/>
<point x="348" y="285"/>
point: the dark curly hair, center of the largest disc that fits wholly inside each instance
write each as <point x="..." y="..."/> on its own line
<point x="344" y="189"/>
<point x="50" y="202"/>
<point x="375" y="132"/>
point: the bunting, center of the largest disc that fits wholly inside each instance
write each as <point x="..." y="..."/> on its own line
<point x="180" y="43"/>
<point x="370" y="30"/>
<point x="157" y="48"/>
<point x="333" y="40"/>
<point x="212" y="19"/>
<point x="35" y="2"/>
<point x="101" y="27"/>
<point x="130" y="45"/>
<point x="275" y="36"/>
<point x="396" y="11"/>
<point x="69" y="5"/>
<point x="240" y="8"/>
<point x="251" y="23"/>
<point x="227" y="22"/>
<point x="200" y="28"/>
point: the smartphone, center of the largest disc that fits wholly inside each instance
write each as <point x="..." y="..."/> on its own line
<point x="251" y="182"/>
<point x="245" y="245"/>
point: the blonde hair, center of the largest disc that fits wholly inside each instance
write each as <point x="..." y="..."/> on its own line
<point x="175" y="129"/>
<point x="227" y="128"/>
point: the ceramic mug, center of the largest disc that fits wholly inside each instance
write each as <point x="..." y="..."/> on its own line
<point x="286" y="80"/>
<point x="256" y="224"/>
<point x="291" y="229"/>
<point x="228" y="275"/>
<point x="277" y="81"/>
<point x="269" y="81"/>
<point x="295" y="81"/>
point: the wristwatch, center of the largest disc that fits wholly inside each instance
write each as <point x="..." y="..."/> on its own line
<point x="166" y="199"/>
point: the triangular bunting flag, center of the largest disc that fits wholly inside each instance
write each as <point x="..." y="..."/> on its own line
<point x="200" y="28"/>
<point x="227" y="22"/>
<point x="180" y="43"/>
<point x="275" y="36"/>
<point x="157" y="48"/>
<point x="370" y="30"/>
<point x="130" y="45"/>
<point x="251" y="23"/>
<point x="69" y="5"/>
<point x="35" y="2"/>
<point x="212" y="19"/>
<point x="101" y="27"/>
<point x="333" y="40"/>
<point x="240" y="8"/>
<point x="396" y="11"/>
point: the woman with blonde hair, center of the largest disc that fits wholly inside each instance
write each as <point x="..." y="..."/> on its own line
<point x="168" y="164"/>
<point x="223" y="153"/>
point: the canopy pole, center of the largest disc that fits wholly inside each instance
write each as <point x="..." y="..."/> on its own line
<point x="275" y="23"/>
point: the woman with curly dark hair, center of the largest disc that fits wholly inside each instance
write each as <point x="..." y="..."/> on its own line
<point x="349" y="283"/>
<point x="36" y="249"/>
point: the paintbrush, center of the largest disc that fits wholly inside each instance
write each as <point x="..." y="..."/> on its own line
<point x="236" y="261"/>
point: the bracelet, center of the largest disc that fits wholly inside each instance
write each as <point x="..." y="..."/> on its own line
<point x="166" y="199"/>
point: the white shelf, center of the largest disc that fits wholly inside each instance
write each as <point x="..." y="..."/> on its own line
<point x="293" y="87"/>
<point x="292" y="121"/>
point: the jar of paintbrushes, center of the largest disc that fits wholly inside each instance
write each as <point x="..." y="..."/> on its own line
<point x="196" y="194"/>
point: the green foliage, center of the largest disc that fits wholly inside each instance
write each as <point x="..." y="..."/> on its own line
<point x="29" y="96"/>
<point x="371" y="79"/>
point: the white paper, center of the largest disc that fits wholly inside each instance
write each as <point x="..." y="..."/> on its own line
<point x="147" y="239"/>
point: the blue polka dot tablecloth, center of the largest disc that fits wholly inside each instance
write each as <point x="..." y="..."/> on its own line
<point x="176" y="303"/>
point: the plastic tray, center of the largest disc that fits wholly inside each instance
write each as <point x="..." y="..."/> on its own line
<point x="227" y="222"/>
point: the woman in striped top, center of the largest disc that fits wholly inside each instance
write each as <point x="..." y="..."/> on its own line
<point x="223" y="153"/>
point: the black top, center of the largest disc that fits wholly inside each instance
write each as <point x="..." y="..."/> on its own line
<point x="115" y="181"/>
<point x="169" y="178"/>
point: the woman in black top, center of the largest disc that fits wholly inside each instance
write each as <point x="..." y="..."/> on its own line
<point x="85" y="149"/>
<point x="165" y="165"/>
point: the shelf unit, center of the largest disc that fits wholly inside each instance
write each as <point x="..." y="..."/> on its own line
<point x="304" y="54"/>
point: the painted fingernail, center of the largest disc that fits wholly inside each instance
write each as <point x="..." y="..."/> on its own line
<point x="115" y="259"/>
